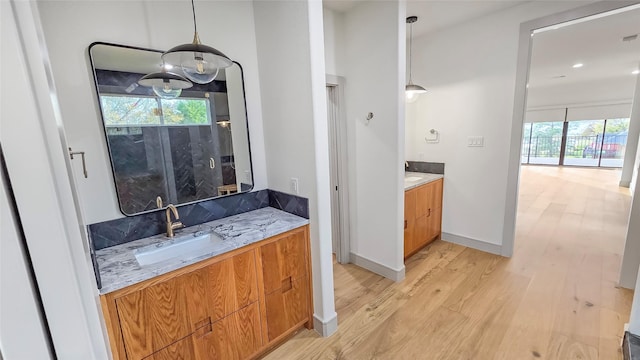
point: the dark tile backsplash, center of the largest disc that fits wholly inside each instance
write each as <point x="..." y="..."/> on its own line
<point x="292" y="204"/>
<point x="425" y="167"/>
<point x="123" y="230"/>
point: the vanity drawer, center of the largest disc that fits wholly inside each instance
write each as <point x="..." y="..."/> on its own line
<point x="284" y="260"/>
<point x="287" y="307"/>
<point x="159" y="315"/>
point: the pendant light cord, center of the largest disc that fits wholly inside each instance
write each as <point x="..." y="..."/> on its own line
<point x="410" y="50"/>
<point x="195" y="25"/>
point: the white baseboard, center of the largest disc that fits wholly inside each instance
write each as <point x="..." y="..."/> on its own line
<point x="326" y="328"/>
<point x="472" y="243"/>
<point x="382" y="270"/>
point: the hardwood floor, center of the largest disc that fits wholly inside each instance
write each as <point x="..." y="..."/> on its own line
<point x="554" y="299"/>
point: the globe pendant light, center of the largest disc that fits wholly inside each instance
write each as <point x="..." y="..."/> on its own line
<point x="165" y="84"/>
<point x="412" y="90"/>
<point x="200" y="63"/>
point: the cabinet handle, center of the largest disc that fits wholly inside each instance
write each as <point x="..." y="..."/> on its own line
<point x="429" y="212"/>
<point x="212" y="163"/>
<point x="203" y="327"/>
<point x="287" y="284"/>
<point x="405" y="224"/>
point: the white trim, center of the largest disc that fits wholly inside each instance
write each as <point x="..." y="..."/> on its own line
<point x="375" y="267"/>
<point x="520" y="104"/>
<point x="344" y="243"/>
<point x="472" y="243"/>
<point x="325" y="328"/>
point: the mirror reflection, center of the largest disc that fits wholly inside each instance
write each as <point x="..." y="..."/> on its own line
<point x="170" y="150"/>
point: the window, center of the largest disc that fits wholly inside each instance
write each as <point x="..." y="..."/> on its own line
<point x="587" y="142"/>
<point x="122" y="111"/>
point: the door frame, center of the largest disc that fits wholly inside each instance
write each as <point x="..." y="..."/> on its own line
<point x="343" y="249"/>
<point x="520" y="103"/>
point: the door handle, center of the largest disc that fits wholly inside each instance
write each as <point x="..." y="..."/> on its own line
<point x="84" y="164"/>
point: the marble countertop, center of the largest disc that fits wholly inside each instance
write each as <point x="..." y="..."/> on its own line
<point x="415" y="179"/>
<point x="119" y="268"/>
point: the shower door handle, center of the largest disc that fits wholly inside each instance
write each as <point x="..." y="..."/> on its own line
<point x="84" y="163"/>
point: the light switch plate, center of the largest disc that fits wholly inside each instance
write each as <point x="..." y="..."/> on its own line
<point x="475" y="141"/>
<point x="294" y="185"/>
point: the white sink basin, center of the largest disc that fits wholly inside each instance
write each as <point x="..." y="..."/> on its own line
<point x="181" y="247"/>
<point x="412" y="178"/>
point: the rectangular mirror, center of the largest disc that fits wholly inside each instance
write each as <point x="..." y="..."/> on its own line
<point x="191" y="148"/>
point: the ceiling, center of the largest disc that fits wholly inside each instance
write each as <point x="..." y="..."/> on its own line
<point x="595" y="43"/>
<point x="436" y="15"/>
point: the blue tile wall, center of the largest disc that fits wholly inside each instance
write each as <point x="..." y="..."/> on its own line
<point x="119" y="231"/>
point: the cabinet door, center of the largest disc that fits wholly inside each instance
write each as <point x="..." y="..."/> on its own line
<point x="236" y="336"/>
<point x="422" y="232"/>
<point x="283" y="261"/>
<point x="231" y="285"/>
<point x="287" y="307"/>
<point x="409" y="220"/>
<point x="157" y="316"/>
<point x="424" y="198"/>
<point x="153" y="318"/>
<point x="437" y="187"/>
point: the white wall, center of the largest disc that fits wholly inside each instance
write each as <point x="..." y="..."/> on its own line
<point x="374" y="66"/>
<point x="632" y="156"/>
<point x="289" y="37"/>
<point x="631" y="254"/>
<point x="333" y="42"/>
<point x="469" y="71"/>
<point x="71" y="26"/>
<point x="616" y="89"/>
<point x="634" y="319"/>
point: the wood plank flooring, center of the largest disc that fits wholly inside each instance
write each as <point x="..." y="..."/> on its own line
<point x="556" y="298"/>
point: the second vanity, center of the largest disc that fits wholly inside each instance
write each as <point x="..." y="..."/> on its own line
<point x="422" y="210"/>
<point x="231" y="289"/>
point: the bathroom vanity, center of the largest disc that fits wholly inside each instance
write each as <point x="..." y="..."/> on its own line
<point x="422" y="210"/>
<point x="244" y="290"/>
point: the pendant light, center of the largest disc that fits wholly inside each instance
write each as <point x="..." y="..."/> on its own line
<point x="200" y="63"/>
<point x="412" y="90"/>
<point x="165" y="84"/>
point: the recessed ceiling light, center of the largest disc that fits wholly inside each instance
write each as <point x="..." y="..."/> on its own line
<point x="578" y="65"/>
<point x="635" y="72"/>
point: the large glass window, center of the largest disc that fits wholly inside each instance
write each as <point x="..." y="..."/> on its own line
<point x="545" y="143"/>
<point x="584" y="140"/>
<point x="587" y="143"/>
<point x="615" y="142"/>
<point x="144" y="111"/>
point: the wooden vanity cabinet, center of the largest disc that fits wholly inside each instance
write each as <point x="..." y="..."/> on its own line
<point x="422" y="216"/>
<point x="234" y="306"/>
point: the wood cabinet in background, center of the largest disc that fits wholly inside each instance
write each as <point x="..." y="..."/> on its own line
<point x="234" y="306"/>
<point x="422" y="216"/>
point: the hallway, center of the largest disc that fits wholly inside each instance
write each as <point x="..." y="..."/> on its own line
<point x="555" y="299"/>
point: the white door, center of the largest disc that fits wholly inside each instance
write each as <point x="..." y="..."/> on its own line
<point x="24" y="333"/>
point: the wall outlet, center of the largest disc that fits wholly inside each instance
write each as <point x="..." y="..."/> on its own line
<point x="294" y="185"/>
<point x="475" y="141"/>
